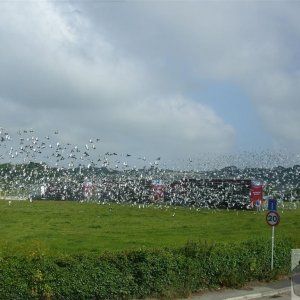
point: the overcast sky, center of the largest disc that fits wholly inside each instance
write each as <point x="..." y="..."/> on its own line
<point x="161" y="78"/>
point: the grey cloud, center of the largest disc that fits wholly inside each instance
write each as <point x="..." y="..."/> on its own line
<point x="124" y="69"/>
<point x="60" y="71"/>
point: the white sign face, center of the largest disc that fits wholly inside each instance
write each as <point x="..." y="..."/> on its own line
<point x="272" y="218"/>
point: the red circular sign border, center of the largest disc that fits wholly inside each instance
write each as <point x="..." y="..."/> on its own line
<point x="278" y="217"/>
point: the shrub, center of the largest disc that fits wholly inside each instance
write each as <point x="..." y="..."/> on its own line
<point x="141" y="273"/>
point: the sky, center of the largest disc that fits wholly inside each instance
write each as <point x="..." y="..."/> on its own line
<point x="172" y="79"/>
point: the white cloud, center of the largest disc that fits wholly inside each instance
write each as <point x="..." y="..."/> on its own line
<point x="181" y="125"/>
<point x="124" y="70"/>
<point x="61" y="72"/>
<point x="248" y="44"/>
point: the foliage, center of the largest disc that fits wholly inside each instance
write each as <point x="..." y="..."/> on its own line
<point x="168" y="272"/>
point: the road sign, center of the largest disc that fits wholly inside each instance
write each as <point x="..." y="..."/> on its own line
<point x="273" y="218"/>
<point x="272" y="204"/>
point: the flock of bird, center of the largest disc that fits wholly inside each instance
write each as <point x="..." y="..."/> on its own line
<point x="82" y="172"/>
<point x="27" y="147"/>
<point x="23" y="148"/>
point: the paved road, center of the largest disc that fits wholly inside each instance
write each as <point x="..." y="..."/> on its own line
<point x="273" y="290"/>
<point x="284" y="296"/>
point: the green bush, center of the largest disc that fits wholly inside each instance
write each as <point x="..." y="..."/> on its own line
<point x="141" y="273"/>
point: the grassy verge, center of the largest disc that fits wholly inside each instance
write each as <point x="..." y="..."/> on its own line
<point x="72" y="227"/>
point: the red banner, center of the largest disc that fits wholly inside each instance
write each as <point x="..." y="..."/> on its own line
<point x="256" y="194"/>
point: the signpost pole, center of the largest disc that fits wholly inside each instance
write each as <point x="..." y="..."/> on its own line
<point x="272" y="255"/>
<point x="272" y="219"/>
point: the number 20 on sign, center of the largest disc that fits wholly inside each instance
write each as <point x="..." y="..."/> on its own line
<point x="272" y="218"/>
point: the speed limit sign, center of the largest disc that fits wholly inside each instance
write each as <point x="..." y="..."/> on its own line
<point x="273" y="218"/>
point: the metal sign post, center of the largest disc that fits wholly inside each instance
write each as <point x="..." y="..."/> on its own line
<point x="272" y="219"/>
<point x="272" y="254"/>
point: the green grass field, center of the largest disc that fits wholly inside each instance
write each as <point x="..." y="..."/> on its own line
<point x="72" y="227"/>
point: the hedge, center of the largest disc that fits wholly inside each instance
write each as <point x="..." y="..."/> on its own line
<point x="162" y="273"/>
